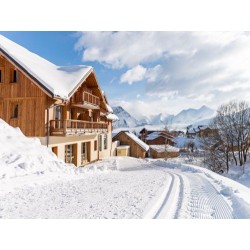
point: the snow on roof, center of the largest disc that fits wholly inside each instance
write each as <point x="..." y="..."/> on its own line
<point x="109" y="109"/>
<point x="137" y="140"/>
<point x="58" y="80"/>
<point x="112" y="117"/>
<point x="123" y="147"/>
<point x="163" y="148"/>
<point x="157" y="134"/>
<point x="152" y="136"/>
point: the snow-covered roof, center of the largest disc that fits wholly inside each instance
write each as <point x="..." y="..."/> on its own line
<point x="163" y="148"/>
<point x="112" y="117"/>
<point x="152" y="136"/>
<point x="57" y="80"/>
<point x="123" y="147"/>
<point x="193" y="130"/>
<point x="137" y="140"/>
<point x="157" y="134"/>
<point x="109" y="109"/>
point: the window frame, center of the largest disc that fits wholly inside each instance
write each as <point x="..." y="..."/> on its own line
<point x="100" y="142"/>
<point x="1" y="74"/>
<point x="14" y="75"/>
<point x="15" y="110"/>
<point x="105" y="141"/>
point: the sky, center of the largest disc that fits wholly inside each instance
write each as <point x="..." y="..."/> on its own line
<point x="153" y="72"/>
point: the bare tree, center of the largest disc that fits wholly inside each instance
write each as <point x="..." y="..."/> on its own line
<point x="232" y="126"/>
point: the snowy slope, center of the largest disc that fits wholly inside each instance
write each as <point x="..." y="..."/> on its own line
<point x="22" y="156"/>
<point x="193" y="115"/>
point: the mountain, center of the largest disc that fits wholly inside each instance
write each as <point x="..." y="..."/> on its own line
<point x="125" y="119"/>
<point x="190" y="116"/>
<point x="201" y="116"/>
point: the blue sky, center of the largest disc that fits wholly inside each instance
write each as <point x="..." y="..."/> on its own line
<point x="154" y="72"/>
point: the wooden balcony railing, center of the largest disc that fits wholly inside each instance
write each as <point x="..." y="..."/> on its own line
<point x="70" y="127"/>
<point x="86" y="98"/>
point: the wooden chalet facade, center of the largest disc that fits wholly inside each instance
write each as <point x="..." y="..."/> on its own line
<point x="200" y="131"/>
<point x="75" y="123"/>
<point x="154" y="137"/>
<point x="138" y="148"/>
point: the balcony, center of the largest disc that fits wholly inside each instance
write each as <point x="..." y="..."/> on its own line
<point x="76" y="127"/>
<point x="85" y="100"/>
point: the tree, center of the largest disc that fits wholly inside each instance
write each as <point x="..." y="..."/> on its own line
<point x="231" y="140"/>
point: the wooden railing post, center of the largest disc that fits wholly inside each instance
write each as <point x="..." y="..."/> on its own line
<point x="65" y="127"/>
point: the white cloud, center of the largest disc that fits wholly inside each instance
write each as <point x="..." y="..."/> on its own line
<point x="139" y="73"/>
<point x="212" y="67"/>
<point x="134" y="75"/>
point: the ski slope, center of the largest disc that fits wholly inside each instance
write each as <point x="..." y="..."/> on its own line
<point x="125" y="188"/>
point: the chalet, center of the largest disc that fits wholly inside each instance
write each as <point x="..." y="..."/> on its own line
<point x="164" y="151"/>
<point x="138" y="148"/>
<point x="63" y="106"/>
<point x="153" y="137"/>
<point x="200" y="131"/>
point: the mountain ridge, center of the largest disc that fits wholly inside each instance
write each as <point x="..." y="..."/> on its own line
<point x="183" y="119"/>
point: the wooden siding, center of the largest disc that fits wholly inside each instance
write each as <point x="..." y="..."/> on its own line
<point x="135" y="150"/>
<point x="31" y="101"/>
<point x="155" y="154"/>
<point x="160" y="141"/>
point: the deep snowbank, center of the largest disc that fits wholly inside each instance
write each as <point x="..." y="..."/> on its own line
<point x="20" y="155"/>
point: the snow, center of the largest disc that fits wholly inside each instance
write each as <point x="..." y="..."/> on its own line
<point x="22" y="156"/>
<point x="182" y="141"/>
<point x="59" y="80"/>
<point x="126" y="187"/>
<point x="163" y="148"/>
<point x="152" y="136"/>
<point x="112" y="117"/>
<point x="123" y="147"/>
<point x="137" y="140"/>
<point x="35" y="184"/>
<point x="110" y="110"/>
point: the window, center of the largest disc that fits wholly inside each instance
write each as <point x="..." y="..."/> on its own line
<point x="95" y="145"/>
<point x="58" y="117"/>
<point x="1" y="75"/>
<point x="15" y="111"/>
<point x="69" y="157"/>
<point x="100" y="142"/>
<point x="84" y="153"/>
<point x="105" y="141"/>
<point x="13" y="75"/>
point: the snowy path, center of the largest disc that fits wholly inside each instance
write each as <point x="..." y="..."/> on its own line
<point x="190" y="195"/>
<point x="126" y="188"/>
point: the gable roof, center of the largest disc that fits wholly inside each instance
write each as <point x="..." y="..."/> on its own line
<point x="157" y="134"/>
<point x="58" y="81"/>
<point x="133" y="137"/>
<point x="137" y="140"/>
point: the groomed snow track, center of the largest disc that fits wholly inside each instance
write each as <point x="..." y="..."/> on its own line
<point x="189" y="195"/>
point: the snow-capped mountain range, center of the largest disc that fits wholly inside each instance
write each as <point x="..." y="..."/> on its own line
<point x="201" y="116"/>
